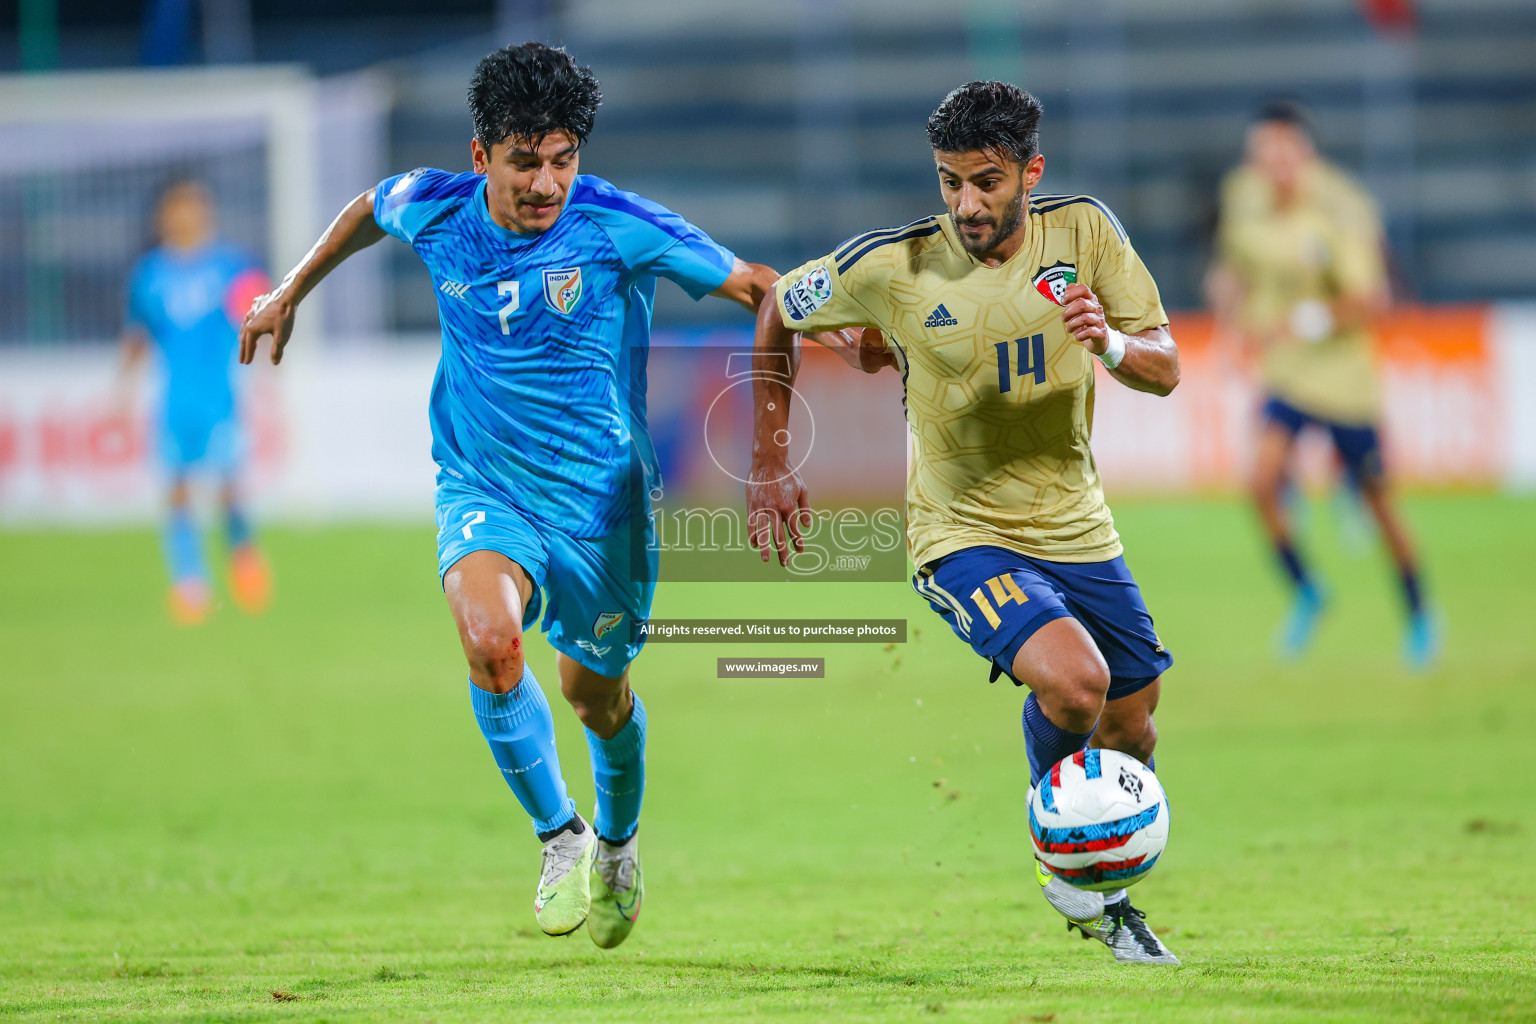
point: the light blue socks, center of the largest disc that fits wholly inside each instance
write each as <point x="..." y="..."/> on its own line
<point x="184" y="547"/>
<point x="237" y="527"/>
<point x="618" y="773"/>
<point x="521" y="733"/>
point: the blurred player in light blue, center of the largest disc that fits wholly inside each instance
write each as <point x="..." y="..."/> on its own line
<point x="185" y="300"/>
<point x="545" y="280"/>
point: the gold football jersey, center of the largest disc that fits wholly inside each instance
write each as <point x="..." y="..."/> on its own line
<point x="999" y="397"/>
<point x="1325" y="246"/>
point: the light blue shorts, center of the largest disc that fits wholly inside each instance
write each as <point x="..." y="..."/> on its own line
<point x="593" y="603"/>
<point x="215" y="446"/>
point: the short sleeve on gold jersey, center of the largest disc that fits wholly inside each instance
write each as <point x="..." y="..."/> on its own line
<point x="1358" y="266"/>
<point x="816" y="297"/>
<point x="1118" y="277"/>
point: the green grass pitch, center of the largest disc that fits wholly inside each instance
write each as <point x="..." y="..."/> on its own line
<point x="294" y="818"/>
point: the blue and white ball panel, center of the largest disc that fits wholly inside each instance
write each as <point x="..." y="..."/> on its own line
<point x="1099" y="820"/>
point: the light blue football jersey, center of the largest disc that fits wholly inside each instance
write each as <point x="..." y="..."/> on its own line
<point x="540" y="391"/>
<point x="189" y="304"/>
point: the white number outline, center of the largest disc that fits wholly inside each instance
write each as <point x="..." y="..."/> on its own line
<point x="475" y="519"/>
<point x="507" y="288"/>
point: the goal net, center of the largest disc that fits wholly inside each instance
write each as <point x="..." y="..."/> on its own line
<point x="84" y="158"/>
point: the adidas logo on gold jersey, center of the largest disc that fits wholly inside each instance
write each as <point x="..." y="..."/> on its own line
<point x="940" y="318"/>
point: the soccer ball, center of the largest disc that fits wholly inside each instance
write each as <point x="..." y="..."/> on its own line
<point x="1099" y="820"/>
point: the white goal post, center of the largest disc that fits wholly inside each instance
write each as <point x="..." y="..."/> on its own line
<point x="82" y="156"/>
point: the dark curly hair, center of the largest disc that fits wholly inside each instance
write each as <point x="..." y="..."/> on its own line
<point x="989" y="116"/>
<point x="529" y="91"/>
<point x="1282" y="110"/>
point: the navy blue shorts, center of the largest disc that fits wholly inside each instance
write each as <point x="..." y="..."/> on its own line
<point x="995" y="599"/>
<point x="1359" y="446"/>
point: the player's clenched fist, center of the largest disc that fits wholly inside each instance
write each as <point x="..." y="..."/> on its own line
<point x="272" y="314"/>
<point x="861" y="348"/>
<point x="1084" y="317"/>
<point x="874" y="355"/>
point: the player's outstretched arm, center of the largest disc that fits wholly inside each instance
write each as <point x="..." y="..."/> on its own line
<point x="1356" y="308"/>
<point x="1148" y="361"/>
<point x="862" y="350"/>
<point x="747" y="285"/>
<point x="776" y="497"/>
<point x="353" y="229"/>
<point x="1225" y="294"/>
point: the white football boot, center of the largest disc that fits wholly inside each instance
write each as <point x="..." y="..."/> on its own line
<point x="1078" y="906"/>
<point x="1124" y="930"/>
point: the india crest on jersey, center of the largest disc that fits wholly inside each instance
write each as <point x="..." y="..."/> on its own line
<point x="604" y="622"/>
<point x="562" y="289"/>
<point x="1052" y="281"/>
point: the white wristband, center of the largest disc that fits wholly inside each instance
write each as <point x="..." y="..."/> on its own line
<point x="1311" y="320"/>
<point x="1116" y="349"/>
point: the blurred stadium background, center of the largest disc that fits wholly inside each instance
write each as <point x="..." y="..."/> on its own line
<point x="281" y="817"/>
<point x="779" y="128"/>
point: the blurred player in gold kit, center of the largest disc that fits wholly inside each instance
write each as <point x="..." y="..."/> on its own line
<point x="1299" y="276"/>
<point x="994" y="314"/>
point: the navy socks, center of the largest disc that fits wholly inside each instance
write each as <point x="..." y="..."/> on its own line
<point x="1046" y="741"/>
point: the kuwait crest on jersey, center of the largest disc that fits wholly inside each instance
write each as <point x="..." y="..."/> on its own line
<point x="562" y="289"/>
<point x="1052" y="282"/>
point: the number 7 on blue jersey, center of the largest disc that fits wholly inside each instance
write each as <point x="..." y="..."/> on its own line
<point x="507" y="288"/>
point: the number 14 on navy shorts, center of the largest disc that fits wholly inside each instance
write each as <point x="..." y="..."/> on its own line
<point x="995" y="599"/>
